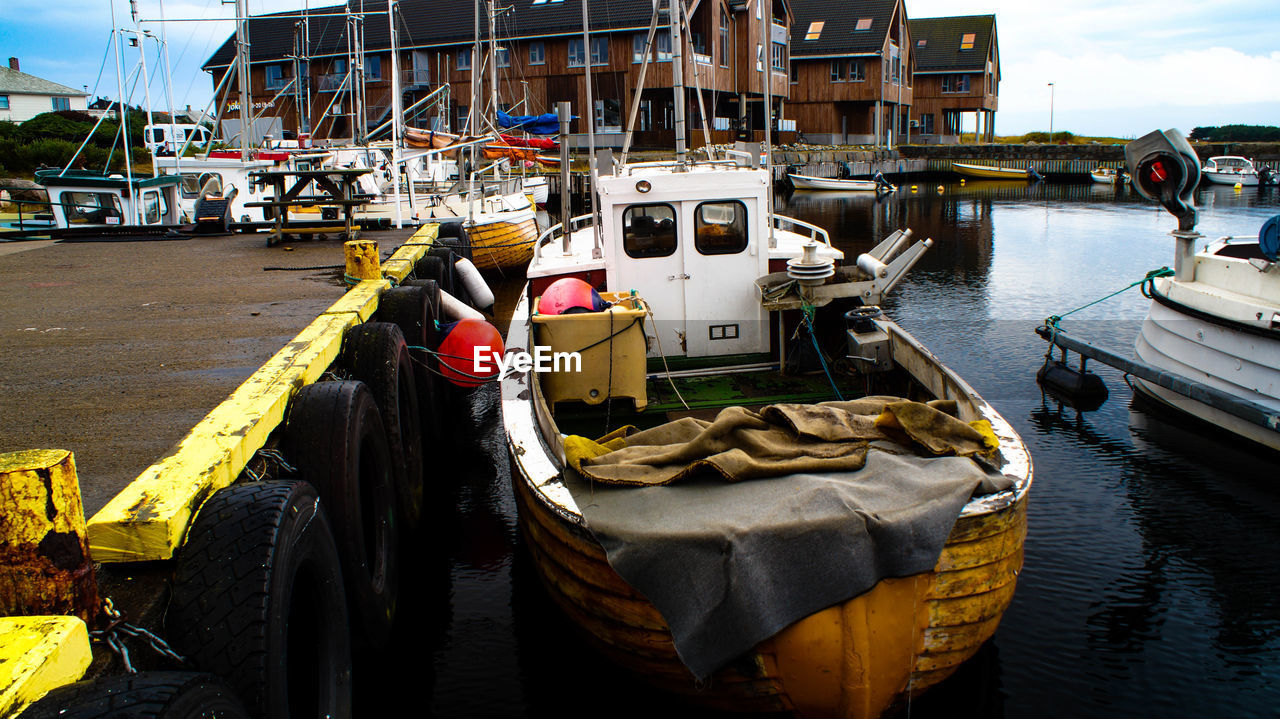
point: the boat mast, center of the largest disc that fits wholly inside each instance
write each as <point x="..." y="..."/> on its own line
<point x="138" y="36"/>
<point x="396" y="110"/>
<point x="766" y="62"/>
<point x="168" y="87"/>
<point x="591" y="135"/>
<point x="677" y="76"/>
<point x="493" y="63"/>
<point x="242" y="74"/>
<point x="124" y="116"/>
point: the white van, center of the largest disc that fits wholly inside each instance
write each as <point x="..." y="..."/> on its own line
<point x="168" y="139"/>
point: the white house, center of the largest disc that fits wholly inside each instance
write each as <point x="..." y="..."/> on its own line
<point x="24" y="96"/>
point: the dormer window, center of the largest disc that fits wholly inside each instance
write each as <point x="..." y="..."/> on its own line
<point x="864" y="23"/>
<point x="966" y="41"/>
<point x="815" y="30"/>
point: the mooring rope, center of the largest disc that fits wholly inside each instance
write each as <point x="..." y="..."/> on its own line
<point x="1051" y="322"/>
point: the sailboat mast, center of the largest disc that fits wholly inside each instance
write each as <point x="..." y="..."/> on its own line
<point x="591" y="130"/>
<point x="242" y="74"/>
<point x="677" y="77"/>
<point x="766" y="68"/>
<point x="396" y="111"/>
<point x="493" y="62"/>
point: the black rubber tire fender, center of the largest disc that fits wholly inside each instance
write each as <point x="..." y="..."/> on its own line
<point x="415" y="309"/>
<point x="438" y="268"/>
<point x="375" y="353"/>
<point x="146" y="695"/>
<point x="335" y="438"/>
<point x="451" y="237"/>
<point x="258" y="600"/>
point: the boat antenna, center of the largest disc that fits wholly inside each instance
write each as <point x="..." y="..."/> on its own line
<point x="766" y="70"/>
<point x="168" y="88"/>
<point x="124" y="116"/>
<point x="591" y="134"/>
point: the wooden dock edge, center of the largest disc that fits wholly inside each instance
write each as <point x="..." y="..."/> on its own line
<point x="39" y="654"/>
<point x="148" y="519"/>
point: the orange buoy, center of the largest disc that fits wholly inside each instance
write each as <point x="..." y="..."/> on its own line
<point x="463" y="341"/>
<point x="568" y="294"/>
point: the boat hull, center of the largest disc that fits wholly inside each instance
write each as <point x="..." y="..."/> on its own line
<point x="804" y="182"/>
<point x="1249" y="179"/>
<point x="1001" y="173"/>
<point x="502" y="242"/>
<point x="1241" y="363"/>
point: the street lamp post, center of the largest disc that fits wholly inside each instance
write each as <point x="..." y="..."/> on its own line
<point x="1050" y="112"/>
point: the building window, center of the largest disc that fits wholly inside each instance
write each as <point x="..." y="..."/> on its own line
<point x="645" y="121"/>
<point x="4" y="102"/>
<point x="699" y="43"/>
<point x="815" y="30"/>
<point x="372" y="67"/>
<point x="463" y="113"/>
<point x="464" y="59"/>
<point x="577" y="56"/>
<point x="649" y="231"/>
<point x="724" y="38"/>
<point x="847" y="70"/>
<point x="864" y="23"/>
<point x="720" y="228"/>
<point x="955" y="83"/>
<point x="638" y="42"/>
<point x="608" y="115"/>
<point x="599" y="51"/>
<point x="61" y="103"/>
<point x="759" y="57"/>
<point x="664" y="47"/>
<point x="795" y="73"/>
<point x="544" y="2"/>
<point x="778" y="56"/>
<point x="274" y="76"/>
<point x="926" y="124"/>
<point x="966" y="41"/>
<point x="503" y="55"/>
<point x="537" y="53"/>
<point x="896" y="64"/>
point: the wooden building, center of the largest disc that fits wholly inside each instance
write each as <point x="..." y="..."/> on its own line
<point x="342" y="55"/>
<point x="851" y="71"/>
<point x="957" y="73"/>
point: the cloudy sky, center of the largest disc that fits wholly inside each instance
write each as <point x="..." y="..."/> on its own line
<point x="1119" y="67"/>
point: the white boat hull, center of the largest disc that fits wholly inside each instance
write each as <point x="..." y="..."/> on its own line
<point x="1247" y="179"/>
<point x="1241" y="363"/>
<point x="805" y="182"/>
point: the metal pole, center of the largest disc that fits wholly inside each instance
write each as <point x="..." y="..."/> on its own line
<point x="124" y="116"/>
<point x="591" y="129"/>
<point x="766" y="24"/>
<point x="168" y="88"/>
<point x="395" y="111"/>
<point x="1050" y="112"/>
<point x="146" y="93"/>
<point x="635" y="98"/>
<point x="677" y="77"/>
<point x="562" y="109"/>
<point x="242" y="74"/>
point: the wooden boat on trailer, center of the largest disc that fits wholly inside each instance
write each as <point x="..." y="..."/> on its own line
<point x="695" y="247"/>
<point x="994" y="173"/>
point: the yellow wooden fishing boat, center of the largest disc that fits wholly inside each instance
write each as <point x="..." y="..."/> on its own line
<point x="502" y="240"/>
<point x="858" y="657"/>
<point x="996" y="173"/>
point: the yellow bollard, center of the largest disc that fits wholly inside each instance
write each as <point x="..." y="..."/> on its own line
<point x="45" y="566"/>
<point x="362" y="259"/>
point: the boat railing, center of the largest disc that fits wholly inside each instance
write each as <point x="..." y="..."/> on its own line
<point x="554" y="231"/>
<point x="817" y="234"/>
<point x="631" y="166"/>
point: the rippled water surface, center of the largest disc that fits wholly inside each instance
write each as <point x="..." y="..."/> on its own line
<point x="1152" y="582"/>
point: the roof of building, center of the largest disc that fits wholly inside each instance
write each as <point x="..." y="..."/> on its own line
<point x="427" y="23"/>
<point x="849" y="27"/>
<point x="938" y="42"/>
<point x="16" y="82"/>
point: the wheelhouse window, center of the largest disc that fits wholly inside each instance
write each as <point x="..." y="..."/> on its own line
<point x="151" y="207"/>
<point x="955" y="83"/>
<point x="537" y="53"/>
<point x="649" y="230"/>
<point x="91" y="208"/>
<point x="720" y="228"/>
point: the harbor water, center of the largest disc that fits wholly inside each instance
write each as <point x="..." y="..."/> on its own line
<point x="1150" y="585"/>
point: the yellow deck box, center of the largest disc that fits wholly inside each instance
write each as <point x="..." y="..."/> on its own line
<point x="612" y="347"/>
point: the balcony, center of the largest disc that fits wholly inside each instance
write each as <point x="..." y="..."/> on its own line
<point x="275" y="84"/>
<point x="414" y="79"/>
<point x="329" y="83"/>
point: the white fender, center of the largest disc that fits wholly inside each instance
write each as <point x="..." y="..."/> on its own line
<point x="456" y="309"/>
<point x="477" y="288"/>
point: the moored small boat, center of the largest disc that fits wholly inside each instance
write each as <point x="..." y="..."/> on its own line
<point x="1230" y="170"/>
<point x="806" y="182"/>
<point x="1108" y="176"/>
<point x="995" y="173"/>
<point x="503" y="237"/>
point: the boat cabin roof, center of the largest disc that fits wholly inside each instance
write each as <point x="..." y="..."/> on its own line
<point x="98" y="180"/>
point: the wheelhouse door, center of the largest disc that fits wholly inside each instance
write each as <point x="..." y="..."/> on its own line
<point x="722" y="310"/>
<point x="653" y="265"/>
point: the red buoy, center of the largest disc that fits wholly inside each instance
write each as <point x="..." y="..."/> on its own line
<point x="568" y="293"/>
<point x="458" y="350"/>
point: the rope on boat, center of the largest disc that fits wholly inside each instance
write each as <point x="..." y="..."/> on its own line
<point x="1051" y="322"/>
<point x="807" y="311"/>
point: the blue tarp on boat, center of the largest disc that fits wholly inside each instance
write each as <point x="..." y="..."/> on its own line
<point x="546" y="124"/>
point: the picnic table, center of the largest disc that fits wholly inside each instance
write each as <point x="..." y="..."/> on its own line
<point x="337" y="188"/>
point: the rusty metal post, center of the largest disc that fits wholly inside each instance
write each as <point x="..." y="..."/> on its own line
<point x="45" y="566"/>
<point x="362" y="260"/>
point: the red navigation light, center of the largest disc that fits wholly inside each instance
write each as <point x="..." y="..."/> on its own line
<point x="1158" y="173"/>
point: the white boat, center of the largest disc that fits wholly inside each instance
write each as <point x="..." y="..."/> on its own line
<point x="806" y="182"/>
<point x="1108" y="176"/>
<point x="537" y="189"/>
<point x="1230" y="170"/>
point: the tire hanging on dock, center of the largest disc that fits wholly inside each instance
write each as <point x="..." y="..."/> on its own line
<point x="145" y="695"/>
<point x="258" y="600"/>
<point x="376" y="353"/>
<point x="334" y="436"/>
<point x="414" y="310"/>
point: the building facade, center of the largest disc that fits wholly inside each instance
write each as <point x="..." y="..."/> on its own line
<point x="24" y="96"/>
<point x="957" y="73"/>
<point x="539" y="59"/>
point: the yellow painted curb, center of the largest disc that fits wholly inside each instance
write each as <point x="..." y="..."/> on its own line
<point x="148" y="519"/>
<point x="39" y="654"/>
